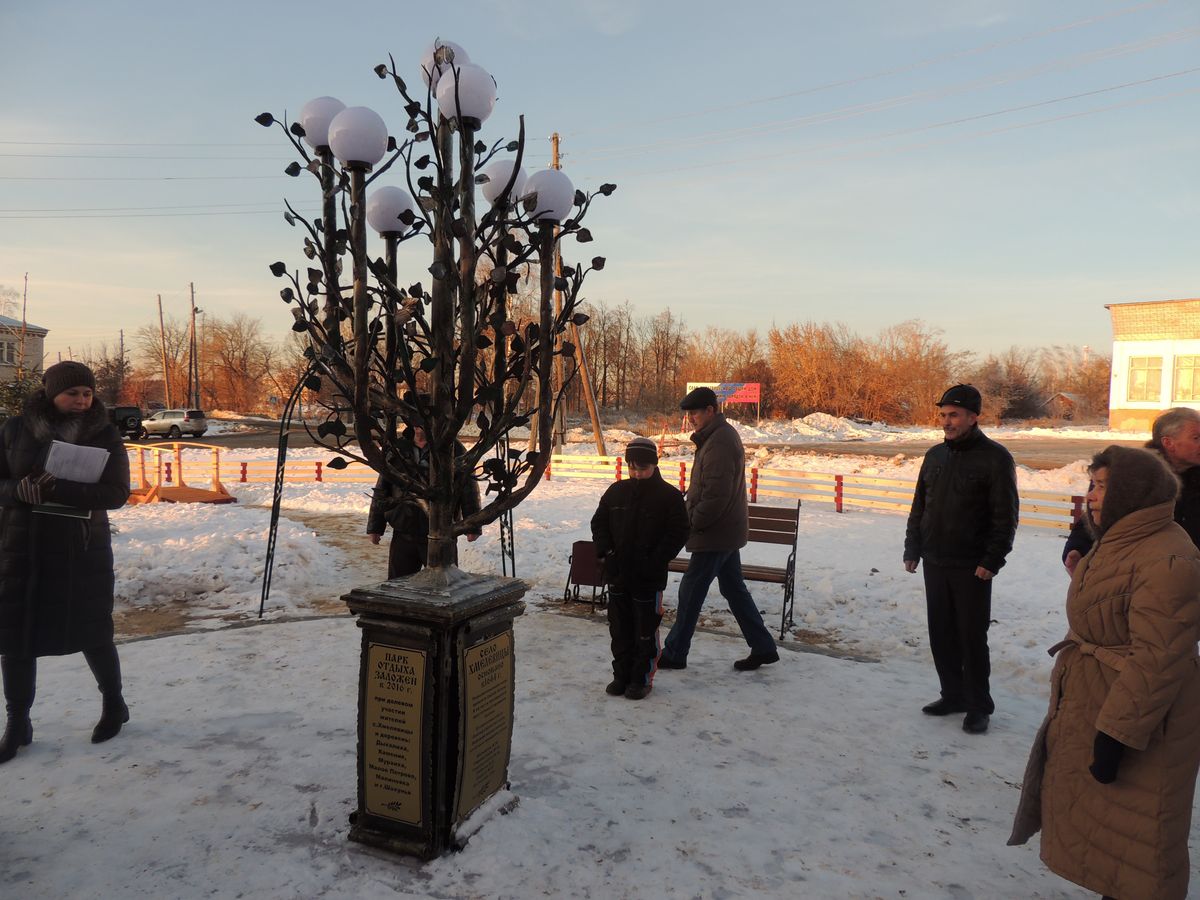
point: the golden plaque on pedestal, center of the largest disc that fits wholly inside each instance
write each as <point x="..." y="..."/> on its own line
<point x="395" y="694"/>
<point x="487" y="696"/>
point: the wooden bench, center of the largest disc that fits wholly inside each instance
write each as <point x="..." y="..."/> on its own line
<point x="769" y="525"/>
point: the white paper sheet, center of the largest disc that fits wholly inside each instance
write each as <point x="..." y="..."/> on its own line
<point x="75" y="463"/>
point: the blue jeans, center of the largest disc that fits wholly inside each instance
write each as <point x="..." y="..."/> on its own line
<point x="726" y="567"/>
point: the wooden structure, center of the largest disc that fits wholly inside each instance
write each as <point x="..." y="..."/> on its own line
<point x="163" y="480"/>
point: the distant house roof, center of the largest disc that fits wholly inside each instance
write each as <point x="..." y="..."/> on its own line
<point x="9" y="324"/>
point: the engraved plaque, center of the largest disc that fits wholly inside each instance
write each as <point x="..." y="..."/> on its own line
<point x="395" y="692"/>
<point x="487" y="710"/>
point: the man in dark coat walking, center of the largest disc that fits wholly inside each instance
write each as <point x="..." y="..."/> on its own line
<point x="962" y="524"/>
<point x="639" y="526"/>
<point x="719" y="521"/>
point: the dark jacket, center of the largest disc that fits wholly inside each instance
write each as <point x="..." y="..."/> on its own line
<point x="56" y="573"/>
<point x="716" y="496"/>
<point x="637" y="529"/>
<point x="964" y="510"/>
<point x="408" y="515"/>
<point x="1187" y="514"/>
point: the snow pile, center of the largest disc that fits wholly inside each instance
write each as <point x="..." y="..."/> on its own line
<point x="211" y="558"/>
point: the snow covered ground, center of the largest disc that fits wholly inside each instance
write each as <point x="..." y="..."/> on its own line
<point x="816" y="777"/>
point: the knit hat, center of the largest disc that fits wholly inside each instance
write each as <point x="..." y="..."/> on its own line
<point x="964" y="395"/>
<point x="641" y="451"/>
<point x="65" y="375"/>
<point x="700" y="398"/>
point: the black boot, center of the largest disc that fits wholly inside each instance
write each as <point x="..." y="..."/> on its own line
<point x="18" y="733"/>
<point x="19" y="675"/>
<point x="106" y="666"/>
<point x="114" y="715"/>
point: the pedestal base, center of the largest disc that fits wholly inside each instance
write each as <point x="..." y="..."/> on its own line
<point x="436" y="684"/>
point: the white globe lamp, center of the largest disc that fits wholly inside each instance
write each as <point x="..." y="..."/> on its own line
<point x="475" y="94"/>
<point x="358" y="136"/>
<point x="432" y="69"/>
<point x="498" y="174"/>
<point x="555" y="195"/>
<point x="315" y="116"/>
<point x="384" y="208"/>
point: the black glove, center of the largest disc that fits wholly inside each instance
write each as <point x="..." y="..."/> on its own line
<point x="33" y="489"/>
<point x="1106" y="758"/>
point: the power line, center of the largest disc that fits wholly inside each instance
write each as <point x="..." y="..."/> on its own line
<point x="860" y="109"/>
<point x="160" y="215"/>
<point x="130" y="156"/>
<point x="140" y="177"/>
<point x="792" y="154"/>
<point x="883" y="73"/>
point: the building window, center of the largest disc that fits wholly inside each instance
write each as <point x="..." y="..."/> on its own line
<point x="1145" y="378"/>
<point x="8" y="353"/>
<point x="1187" y="378"/>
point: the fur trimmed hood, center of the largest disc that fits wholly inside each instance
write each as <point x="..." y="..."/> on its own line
<point x="47" y="424"/>
<point x="1137" y="479"/>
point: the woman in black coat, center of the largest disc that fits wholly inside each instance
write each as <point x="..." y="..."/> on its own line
<point x="56" y="570"/>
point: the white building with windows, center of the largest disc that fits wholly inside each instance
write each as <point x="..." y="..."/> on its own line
<point x="14" y="335"/>
<point x="1155" y="361"/>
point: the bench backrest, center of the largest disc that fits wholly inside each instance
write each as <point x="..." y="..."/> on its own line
<point x="774" y="524"/>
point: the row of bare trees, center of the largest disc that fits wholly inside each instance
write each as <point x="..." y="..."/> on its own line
<point x="642" y="364"/>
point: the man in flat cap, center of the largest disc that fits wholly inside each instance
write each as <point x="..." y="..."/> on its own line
<point x="719" y="526"/>
<point x="962" y="523"/>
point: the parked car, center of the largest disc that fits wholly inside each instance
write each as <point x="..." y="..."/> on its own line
<point x="128" y="420"/>
<point x="175" y="422"/>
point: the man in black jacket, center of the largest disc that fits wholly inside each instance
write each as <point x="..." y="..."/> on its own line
<point x="638" y="528"/>
<point x="962" y="523"/>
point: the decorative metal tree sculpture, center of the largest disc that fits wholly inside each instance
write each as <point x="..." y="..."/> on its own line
<point x="440" y="355"/>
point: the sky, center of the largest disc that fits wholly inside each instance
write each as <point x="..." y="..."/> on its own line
<point x="999" y="169"/>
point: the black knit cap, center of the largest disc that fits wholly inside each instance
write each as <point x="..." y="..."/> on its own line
<point x="65" y="375"/>
<point x="964" y="395"/>
<point x="700" y="398"/>
<point x="642" y="452"/>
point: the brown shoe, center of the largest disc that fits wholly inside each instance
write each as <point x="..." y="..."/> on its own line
<point x="637" y="691"/>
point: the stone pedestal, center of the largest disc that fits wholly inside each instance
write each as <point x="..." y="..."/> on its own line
<point x="435" y="705"/>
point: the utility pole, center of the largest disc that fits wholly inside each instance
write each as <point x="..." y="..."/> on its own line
<point x="21" y="342"/>
<point x="120" y="370"/>
<point x="193" y="357"/>
<point x="589" y="395"/>
<point x="162" y="340"/>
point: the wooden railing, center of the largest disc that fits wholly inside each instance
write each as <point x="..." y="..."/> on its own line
<point x="1042" y="509"/>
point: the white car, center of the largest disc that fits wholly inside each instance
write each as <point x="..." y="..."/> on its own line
<point x="174" y="423"/>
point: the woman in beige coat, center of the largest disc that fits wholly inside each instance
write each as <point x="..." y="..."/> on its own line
<point x="1112" y="772"/>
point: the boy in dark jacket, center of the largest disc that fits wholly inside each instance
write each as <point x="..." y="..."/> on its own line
<point x="638" y="528"/>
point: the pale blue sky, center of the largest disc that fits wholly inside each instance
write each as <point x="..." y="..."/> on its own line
<point x="776" y="161"/>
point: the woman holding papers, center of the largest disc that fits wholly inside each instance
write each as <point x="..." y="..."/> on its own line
<point x="62" y="465"/>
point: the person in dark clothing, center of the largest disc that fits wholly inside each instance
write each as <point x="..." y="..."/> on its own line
<point x="56" y="569"/>
<point x="637" y="529"/>
<point x="1175" y="435"/>
<point x="392" y="505"/>
<point x="962" y="524"/>
<point x="719" y="523"/>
